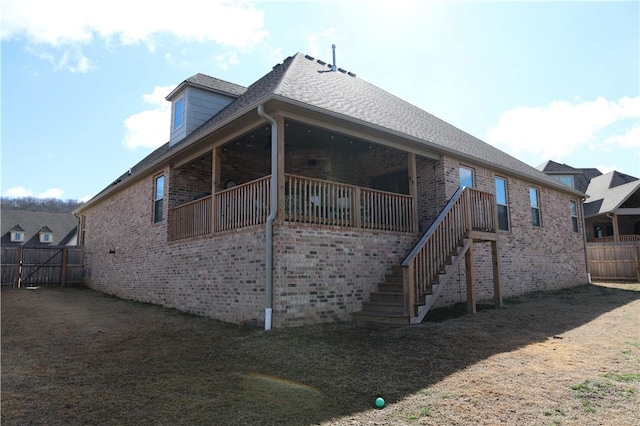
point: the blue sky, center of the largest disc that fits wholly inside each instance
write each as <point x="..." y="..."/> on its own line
<point x="83" y="83"/>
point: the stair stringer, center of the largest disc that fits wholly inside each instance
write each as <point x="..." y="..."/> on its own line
<point x="436" y="288"/>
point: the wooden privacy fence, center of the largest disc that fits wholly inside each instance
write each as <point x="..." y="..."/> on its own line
<point x="22" y="267"/>
<point x="614" y="261"/>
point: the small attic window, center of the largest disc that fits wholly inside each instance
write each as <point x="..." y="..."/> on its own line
<point x="178" y="113"/>
<point x="46" y="236"/>
<point x="17" y="236"/>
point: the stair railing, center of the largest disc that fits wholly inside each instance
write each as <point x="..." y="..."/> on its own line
<point x="468" y="209"/>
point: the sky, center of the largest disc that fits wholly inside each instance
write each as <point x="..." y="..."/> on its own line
<point x="83" y="82"/>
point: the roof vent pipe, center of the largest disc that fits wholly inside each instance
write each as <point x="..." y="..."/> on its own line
<point x="334" y="67"/>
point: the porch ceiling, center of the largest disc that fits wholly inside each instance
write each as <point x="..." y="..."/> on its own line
<point x="298" y="136"/>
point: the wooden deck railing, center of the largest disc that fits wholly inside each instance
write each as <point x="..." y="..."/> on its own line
<point x="243" y="205"/>
<point x="467" y="210"/>
<point x="191" y="219"/>
<point x="330" y="203"/>
<point x="306" y="200"/>
<point x="623" y="239"/>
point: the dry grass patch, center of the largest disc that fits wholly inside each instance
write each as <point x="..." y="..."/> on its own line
<point x="79" y="357"/>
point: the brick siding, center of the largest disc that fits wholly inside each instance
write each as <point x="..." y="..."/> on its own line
<point x="320" y="273"/>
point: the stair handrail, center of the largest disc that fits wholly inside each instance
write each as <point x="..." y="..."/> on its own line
<point x="429" y="255"/>
<point x="432" y="228"/>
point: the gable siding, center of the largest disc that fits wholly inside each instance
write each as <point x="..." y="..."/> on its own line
<point x="202" y="106"/>
<point x="199" y="106"/>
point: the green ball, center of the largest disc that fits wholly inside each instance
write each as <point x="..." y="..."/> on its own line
<point x="379" y="402"/>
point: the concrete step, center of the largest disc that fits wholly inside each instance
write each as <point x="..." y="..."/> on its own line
<point x="383" y="307"/>
<point x="386" y="296"/>
<point x="389" y="319"/>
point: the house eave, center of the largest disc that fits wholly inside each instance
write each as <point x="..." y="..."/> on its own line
<point x="416" y="145"/>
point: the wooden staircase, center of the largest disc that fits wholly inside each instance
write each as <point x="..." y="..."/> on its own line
<point x="386" y="306"/>
<point x="411" y="289"/>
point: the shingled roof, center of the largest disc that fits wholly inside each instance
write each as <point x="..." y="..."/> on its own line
<point x="62" y="225"/>
<point x="304" y="81"/>
<point x="212" y="84"/>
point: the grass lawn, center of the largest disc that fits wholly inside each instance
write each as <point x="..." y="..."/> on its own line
<point x="74" y="356"/>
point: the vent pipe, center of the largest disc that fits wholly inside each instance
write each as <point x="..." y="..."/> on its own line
<point x="334" y="67"/>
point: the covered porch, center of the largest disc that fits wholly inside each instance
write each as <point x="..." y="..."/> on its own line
<point x="325" y="178"/>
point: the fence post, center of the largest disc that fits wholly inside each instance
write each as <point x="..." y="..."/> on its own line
<point x="18" y="266"/>
<point x="636" y="264"/>
<point x="63" y="267"/>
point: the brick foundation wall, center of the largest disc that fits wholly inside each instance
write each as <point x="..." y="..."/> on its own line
<point x="219" y="276"/>
<point x="323" y="274"/>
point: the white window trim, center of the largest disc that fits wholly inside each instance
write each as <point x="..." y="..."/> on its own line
<point x="17" y="237"/>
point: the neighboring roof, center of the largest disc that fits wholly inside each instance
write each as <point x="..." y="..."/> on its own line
<point x="599" y="185"/>
<point x="607" y="193"/>
<point x="303" y="81"/>
<point x="62" y="225"/>
<point x="16" y="228"/>
<point x="211" y="84"/>
<point x="582" y="180"/>
<point x="553" y="167"/>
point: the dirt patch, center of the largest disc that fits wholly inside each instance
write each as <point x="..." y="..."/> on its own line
<point x="74" y="356"/>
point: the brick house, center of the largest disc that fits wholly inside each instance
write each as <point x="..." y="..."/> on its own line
<point x="612" y="205"/>
<point x="313" y="196"/>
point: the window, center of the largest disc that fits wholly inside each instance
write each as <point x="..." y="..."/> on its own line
<point x="466" y="177"/>
<point x="157" y="199"/>
<point x="574" y="215"/>
<point x="45" y="238"/>
<point x="17" y="236"/>
<point x="567" y="180"/>
<point x="503" y="207"/>
<point x="535" y="206"/>
<point x="178" y="113"/>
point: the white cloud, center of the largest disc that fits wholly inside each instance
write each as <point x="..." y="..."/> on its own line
<point x="71" y="59"/>
<point x="79" y="22"/>
<point x="52" y="193"/>
<point x="227" y="59"/>
<point x="560" y="128"/>
<point x="18" y="192"/>
<point x="150" y="128"/>
<point x="22" y="192"/>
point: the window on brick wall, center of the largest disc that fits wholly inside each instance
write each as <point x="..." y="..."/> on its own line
<point x="574" y="215"/>
<point x="503" y="206"/>
<point x="535" y="206"/>
<point x="158" y="199"/>
<point x="466" y="177"/>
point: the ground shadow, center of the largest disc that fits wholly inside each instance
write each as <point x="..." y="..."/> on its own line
<point x="169" y="368"/>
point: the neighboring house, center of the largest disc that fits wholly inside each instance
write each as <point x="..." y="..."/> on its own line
<point x="313" y="196"/>
<point x="612" y="205"/>
<point x="37" y="229"/>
